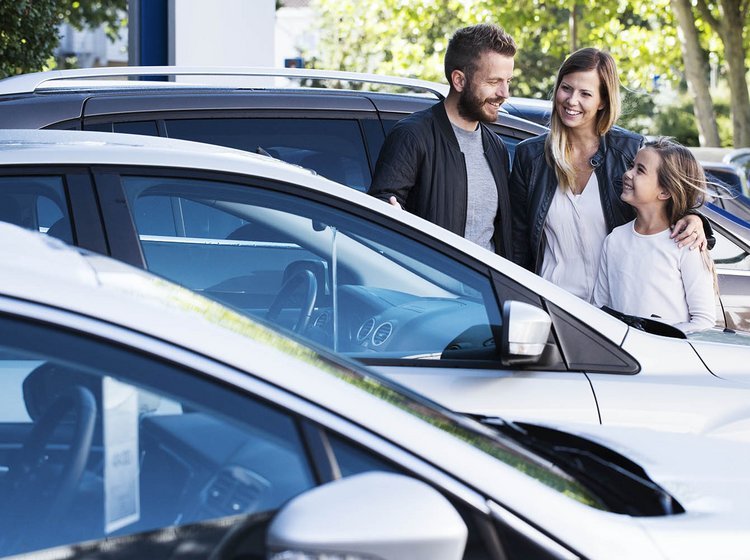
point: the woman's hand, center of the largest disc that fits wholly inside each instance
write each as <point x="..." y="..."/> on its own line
<point x="689" y="231"/>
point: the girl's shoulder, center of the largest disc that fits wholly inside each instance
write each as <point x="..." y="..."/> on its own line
<point x="625" y="230"/>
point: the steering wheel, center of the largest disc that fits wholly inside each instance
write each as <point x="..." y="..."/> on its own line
<point x="305" y="278"/>
<point x="31" y="473"/>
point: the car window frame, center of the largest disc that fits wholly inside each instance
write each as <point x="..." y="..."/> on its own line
<point x="124" y="221"/>
<point x="80" y="198"/>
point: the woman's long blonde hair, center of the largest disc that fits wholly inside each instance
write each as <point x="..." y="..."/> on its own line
<point x="557" y="146"/>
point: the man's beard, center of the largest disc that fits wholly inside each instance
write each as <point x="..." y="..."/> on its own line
<point x="471" y="106"/>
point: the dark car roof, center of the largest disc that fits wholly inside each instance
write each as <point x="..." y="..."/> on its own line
<point x="61" y="97"/>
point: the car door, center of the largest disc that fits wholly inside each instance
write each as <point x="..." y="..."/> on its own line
<point x="346" y="279"/>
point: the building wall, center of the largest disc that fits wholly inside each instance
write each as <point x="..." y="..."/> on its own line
<point x="223" y="32"/>
<point x="200" y="33"/>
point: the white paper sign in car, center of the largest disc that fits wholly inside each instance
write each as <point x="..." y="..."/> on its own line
<point x="122" y="503"/>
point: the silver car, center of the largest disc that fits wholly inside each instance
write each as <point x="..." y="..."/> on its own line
<point x="354" y="275"/>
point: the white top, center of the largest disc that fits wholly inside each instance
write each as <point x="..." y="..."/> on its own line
<point x="650" y="276"/>
<point x="574" y="230"/>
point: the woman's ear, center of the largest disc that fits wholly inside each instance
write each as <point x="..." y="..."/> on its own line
<point x="664" y="194"/>
<point x="458" y="80"/>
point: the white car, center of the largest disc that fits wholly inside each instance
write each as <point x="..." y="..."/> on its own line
<point x="140" y="420"/>
<point x="454" y="322"/>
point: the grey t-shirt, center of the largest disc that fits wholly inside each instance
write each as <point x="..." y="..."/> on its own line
<point x="482" y="202"/>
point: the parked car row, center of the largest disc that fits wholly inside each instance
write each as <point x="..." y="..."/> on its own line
<point x="368" y="281"/>
<point x="136" y="407"/>
<point x="140" y="420"/>
<point x="336" y="132"/>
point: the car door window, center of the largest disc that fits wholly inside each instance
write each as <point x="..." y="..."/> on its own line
<point x="37" y="203"/>
<point x="331" y="276"/>
<point x="727" y="255"/>
<point x="98" y="441"/>
<point x="333" y="148"/>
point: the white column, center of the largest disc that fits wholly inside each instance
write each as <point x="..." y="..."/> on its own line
<point x="222" y="32"/>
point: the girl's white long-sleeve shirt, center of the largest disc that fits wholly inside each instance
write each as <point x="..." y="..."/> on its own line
<point x="650" y="276"/>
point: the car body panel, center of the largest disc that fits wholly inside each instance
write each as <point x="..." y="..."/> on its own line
<point x="521" y="395"/>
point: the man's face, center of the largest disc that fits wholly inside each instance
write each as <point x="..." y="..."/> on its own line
<point x="487" y="88"/>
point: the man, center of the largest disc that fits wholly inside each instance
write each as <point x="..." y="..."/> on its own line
<point x="444" y="164"/>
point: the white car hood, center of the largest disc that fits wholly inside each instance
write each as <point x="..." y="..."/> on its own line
<point x="695" y="469"/>
<point x="708" y="476"/>
<point x="726" y="354"/>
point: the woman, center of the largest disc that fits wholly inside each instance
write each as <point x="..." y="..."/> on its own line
<point x="565" y="185"/>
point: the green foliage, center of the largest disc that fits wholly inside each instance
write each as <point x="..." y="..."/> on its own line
<point x="408" y="38"/>
<point x="28" y="35"/>
<point x="28" y="28"/>
<point x="93" y="13"/>
<point x="671" y="114"/>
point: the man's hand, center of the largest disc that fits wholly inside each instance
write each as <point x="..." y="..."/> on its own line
<point x="393" y="202"/>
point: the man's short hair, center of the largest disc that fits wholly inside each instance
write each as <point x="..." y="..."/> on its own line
<point x="470" y="43"/>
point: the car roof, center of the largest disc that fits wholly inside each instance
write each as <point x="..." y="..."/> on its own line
<point x="60" y="95"/>
<point x="65" y="79"/>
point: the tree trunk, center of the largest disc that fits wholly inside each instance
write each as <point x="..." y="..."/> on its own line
<point x="734" y="52"/>
<point x="730" y="27"/>
<point x="696" y="73"/>
<point x="573" y="27"/>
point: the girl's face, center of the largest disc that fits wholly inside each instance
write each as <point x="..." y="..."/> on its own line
<point x="578" y="101"/>
<point x="640" y="184"/>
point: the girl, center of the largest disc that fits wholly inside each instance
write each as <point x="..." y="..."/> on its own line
<point x="642" y="271"/>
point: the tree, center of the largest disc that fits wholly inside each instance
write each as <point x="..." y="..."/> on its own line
<point x="28" y="35"/>
<point x="727" y="18"/>
<point x="696" y="73"/>
<point x="409" y="38"/>
<point x="29" y="28"/>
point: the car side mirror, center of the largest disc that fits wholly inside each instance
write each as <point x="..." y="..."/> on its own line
<point x="370" y="515"/>
<point x="524" y="333"/>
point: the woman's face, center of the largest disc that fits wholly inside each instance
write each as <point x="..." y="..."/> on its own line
<point x="578" y="101"/>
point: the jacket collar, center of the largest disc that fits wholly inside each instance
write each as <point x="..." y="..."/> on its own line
<point x="441" y="116"/>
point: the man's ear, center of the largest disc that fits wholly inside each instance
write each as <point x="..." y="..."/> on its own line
<point x="458" y="80"/>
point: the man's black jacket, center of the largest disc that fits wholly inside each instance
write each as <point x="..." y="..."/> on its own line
<point x="421" y="164"/>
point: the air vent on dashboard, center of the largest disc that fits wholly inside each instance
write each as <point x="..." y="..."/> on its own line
<point x="382" y="333"/>
<point x="365" y="330"/>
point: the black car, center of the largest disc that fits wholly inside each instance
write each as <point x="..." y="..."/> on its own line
<point x="293" y="115"/>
